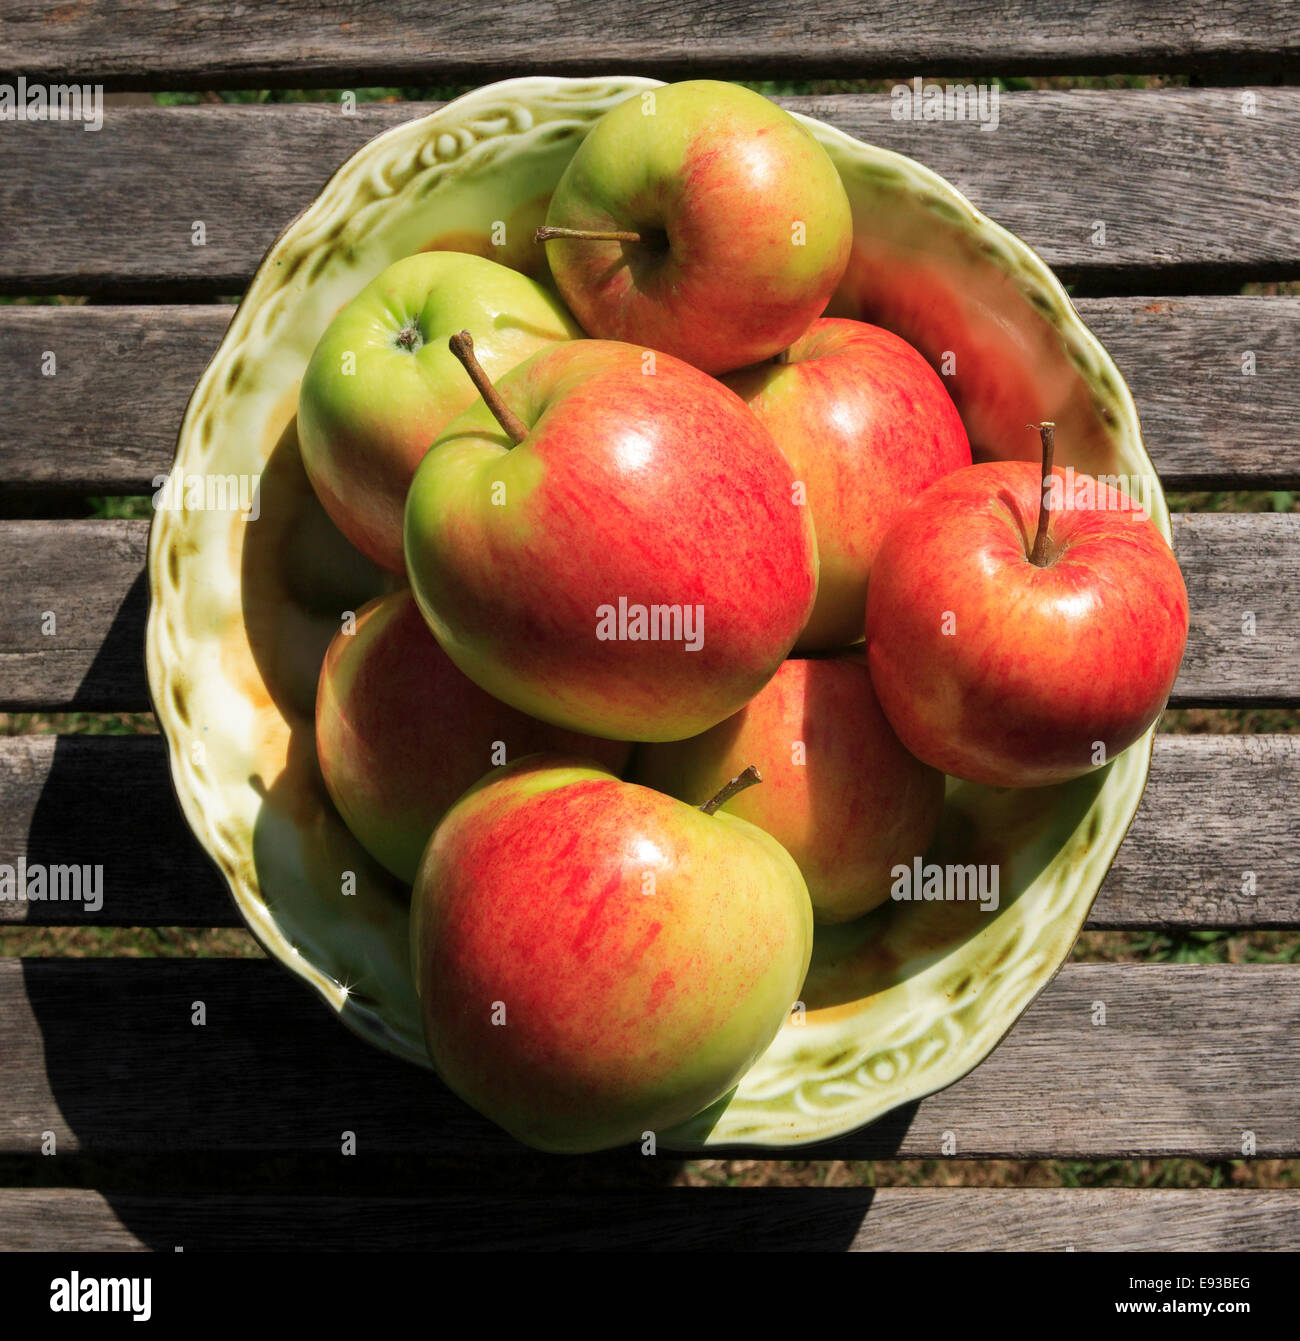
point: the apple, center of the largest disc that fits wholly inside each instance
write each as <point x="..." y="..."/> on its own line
<point x="839" y="793"/>
<point x="595" y="960"/>
<point x="1018" y="643"/>
<point x="401" y="733"/>
<point x="611" y="542"/>
<point x="867" y="424"/>
<point x="702" y="220"/>
<point x="381" y="384"/>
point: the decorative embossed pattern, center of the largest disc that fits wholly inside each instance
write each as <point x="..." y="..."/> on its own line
<point x="897" y="1005"/>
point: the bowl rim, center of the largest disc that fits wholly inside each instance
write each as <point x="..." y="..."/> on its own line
<point x="1065" y="320"/>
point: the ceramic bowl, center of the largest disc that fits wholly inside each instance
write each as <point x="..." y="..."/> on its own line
<point x="897" y="1005"/>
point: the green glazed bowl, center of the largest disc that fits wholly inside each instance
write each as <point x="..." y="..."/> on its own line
<point x="897" y="1005"/>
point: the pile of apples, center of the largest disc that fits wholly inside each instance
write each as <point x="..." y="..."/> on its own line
<point x="697" y="598"/>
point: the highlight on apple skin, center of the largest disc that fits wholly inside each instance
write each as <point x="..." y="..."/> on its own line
<point x="635" y="566"/>
<point x="382" y="384"/>
<point x="595" y="960"/>
<point x="1000" y="671"/>
<point x="401" y="733"/>
<point x="867" y="424"/>
<point x="839" y="793"/>
<point x="743" y="228"/>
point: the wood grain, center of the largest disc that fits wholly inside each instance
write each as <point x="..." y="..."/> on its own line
<point x="294" y="43"/>
<point x="103" y="1054"/>
<point x="106" y="421"/>
<point x="888" y="1219"/>
<point x="90" y="575"/>
<point x="1211" y="845"/>
<point x="88" y="578"/>
<point x="1058" y="163"/>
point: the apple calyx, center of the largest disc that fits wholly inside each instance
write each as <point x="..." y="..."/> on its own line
<point x="462" y="345"/>
<point x="1047" y="435"/>
<point x="748" y="778"/>
<point x="546" y="233"/>
<point x="409" y="338"/>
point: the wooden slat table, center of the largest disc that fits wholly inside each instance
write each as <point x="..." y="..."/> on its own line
<point x="1197" y="186"/>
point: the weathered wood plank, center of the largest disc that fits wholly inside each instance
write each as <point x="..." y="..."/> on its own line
<point x="72" y="632"/>
<point x="302" y="42"/>
<point x="103" y="1054"/>
<point x="89" y="576"/>
<point x="62" y="802"/>
<point x="95" y="395"/>
<point x="1206" y="424"/>
<point x="1058" y="163"/>
<point x="1244" y="638"/>
<point x="887" y="1219"/>
<point x="1217" y="810"/>
<point x="106" y="421"/>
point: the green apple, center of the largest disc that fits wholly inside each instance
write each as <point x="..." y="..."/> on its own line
<point x="381" y="384"/>
<point x="596" y="960"/>
<point x="702" y="220"/>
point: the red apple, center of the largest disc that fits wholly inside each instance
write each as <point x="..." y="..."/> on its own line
<point x="595" y="960"/>
<point x="1015" y="653"/>
<point x="401" y="733"/>
<point x="867" y="424"/>
<point x="839" y="793"/>
<point x="700" y="219"/>
<point x="626" y="558"/>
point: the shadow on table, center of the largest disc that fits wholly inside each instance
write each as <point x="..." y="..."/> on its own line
<point x="211" y="1131"/>
<point x="223" y="1106"/>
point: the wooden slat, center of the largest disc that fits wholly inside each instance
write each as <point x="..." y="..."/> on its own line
<point x="106" y="421"/>
<point x="1216" y="808"/>
<point x="1058" y="163"/>
<point x="62" y="802"/>
<point x="1244" y="639"/>
<point x="103" y="1054"/>
<point x="308" y="42"/>
<point x="888" y="1219"/>
<point x="90" y="575"/>
<point x="1205" y="424"/>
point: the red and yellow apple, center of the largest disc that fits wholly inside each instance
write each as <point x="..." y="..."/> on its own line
<point x="839" y="793"/>
<point x="702" y="220"/>
<point x="1018" y="664"/>
<point x="381" y="384"/>
<point x="627" y="558"/>
<point x="595" y="960"/>
<point x="401" y="733"/>
<point x="867" y="424"/>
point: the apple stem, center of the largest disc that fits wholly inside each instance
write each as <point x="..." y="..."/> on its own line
<point x="546" y="233"/>
<point x="1047" y="434"/>
<point x="462" y="345"/>
<point x="782" y="357"/>
<point x="748" y="778"/>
